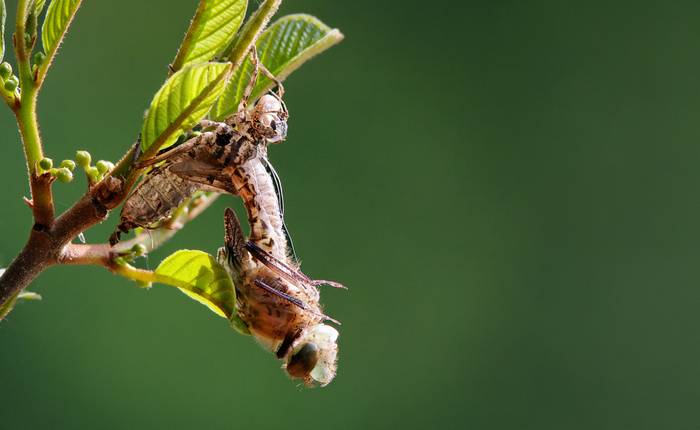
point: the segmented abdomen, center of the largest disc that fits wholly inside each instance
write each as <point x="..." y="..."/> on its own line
<point x="256" y="188"/>
<point x="155" y="198"/>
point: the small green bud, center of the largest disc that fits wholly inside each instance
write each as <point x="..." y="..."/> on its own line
<point x="93" y="174"/>
<point x="139" y="249"/>
<point x="68" y="164"/>
<point x="83" y="159"/>
<point x="46" y="163"/>
<point x="5" y="70"/>
<point x="104" y="166"/>
<point x="39" y="58"/>
<point x="11" y="84"/>
<point x="64" y="175"/>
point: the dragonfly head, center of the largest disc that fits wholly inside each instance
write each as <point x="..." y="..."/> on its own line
<point x="313" y="356"/>
<point x="270" y="118"/>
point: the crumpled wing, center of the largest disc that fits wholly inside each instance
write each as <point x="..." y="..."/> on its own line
<point x="203" y="174"/>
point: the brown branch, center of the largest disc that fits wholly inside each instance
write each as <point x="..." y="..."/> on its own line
<point x="34" y="258"/>
<point x="47" y="241"/>
<point x="42" y="199"/>
<point x="93" y="254"/>
<point x="104" y="255"/>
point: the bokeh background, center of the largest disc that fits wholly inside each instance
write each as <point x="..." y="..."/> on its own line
<point x="509" y="188"/>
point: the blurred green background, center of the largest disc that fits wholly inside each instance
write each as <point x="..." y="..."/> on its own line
<point x="509" y="188"/>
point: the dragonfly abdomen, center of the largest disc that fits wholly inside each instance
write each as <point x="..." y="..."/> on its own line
<point x="262" y="203"/>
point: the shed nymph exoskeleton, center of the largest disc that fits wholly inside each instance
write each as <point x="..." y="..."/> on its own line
<point x="242" y="136"/>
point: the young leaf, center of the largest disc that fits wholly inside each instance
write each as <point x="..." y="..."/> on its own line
<point x="212" y="29"/>
<point x="58" y="18"/>
<point x="282" y="48"/>
<point x="39" y="6"/>
<point x="3" y="15"/>
<point x="200" y="276"/>
<point x="182" y="102"/>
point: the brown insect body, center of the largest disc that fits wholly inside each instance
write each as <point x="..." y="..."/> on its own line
<point x="198" y="163"/>
<point x="276" y="302"/>
<point x="279" y="305"/>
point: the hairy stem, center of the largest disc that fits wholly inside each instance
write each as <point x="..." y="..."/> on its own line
<point x="25" y="114"/>
<point x="185" y="46"/>
<point x="27" y="123"/>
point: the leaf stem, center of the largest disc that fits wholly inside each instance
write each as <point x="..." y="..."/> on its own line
<point x="142" y="276"/>
<point x="27" y="122"/>
<point x="51" y="53"/>
<point x="25" y="114"/>
<point x="248" y="35"/>
<point x="189" y="36"/>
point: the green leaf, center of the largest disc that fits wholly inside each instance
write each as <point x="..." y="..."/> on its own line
<point x="182" y="102"/>
<point x="200" y="276"/>
<point x="3" y="15"/>
<point x="212" y="29"/>
<point x="39" y="6"/>
<point x="58" y="18"/>
<point x="282" y="48"/>
<point x="257" y="22"/>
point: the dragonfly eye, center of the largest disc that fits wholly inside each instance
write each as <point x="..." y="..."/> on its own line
<point x="303" y="362"/>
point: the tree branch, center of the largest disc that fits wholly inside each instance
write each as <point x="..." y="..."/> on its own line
<point x="105" y="255"/>
<point x="42" y="199"/>
<point x="46" y="242"/>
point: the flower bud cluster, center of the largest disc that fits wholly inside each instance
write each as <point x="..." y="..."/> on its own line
<point x="8" y="81"/>
<point x="64" y="172"/>
<point x="94" y="173"/>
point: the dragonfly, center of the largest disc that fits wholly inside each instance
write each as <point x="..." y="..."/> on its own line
<point x="277" y="303"/>
<point x="198" y="163"/>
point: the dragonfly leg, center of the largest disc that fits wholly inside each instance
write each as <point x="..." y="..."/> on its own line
<point x="266" y="72"/>
<point x="243" y="105"/>
<point x="219" y="127"/>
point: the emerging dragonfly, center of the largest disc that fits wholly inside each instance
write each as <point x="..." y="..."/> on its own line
<point x="275" y="301"/>
<point x="278" y="304"/>
<point x="197" y="164"/>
